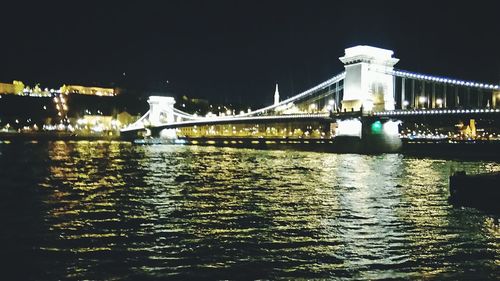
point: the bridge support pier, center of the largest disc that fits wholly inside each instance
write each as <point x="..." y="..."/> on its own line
<point x="368" y="134"/>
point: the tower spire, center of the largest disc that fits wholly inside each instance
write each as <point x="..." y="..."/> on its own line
<point x="276" y="95"/>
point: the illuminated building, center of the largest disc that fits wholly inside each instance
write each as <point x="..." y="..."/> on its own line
<point x="16" y="87"/>
<point x="6" y="88"/>
<point x="93" y="91"/>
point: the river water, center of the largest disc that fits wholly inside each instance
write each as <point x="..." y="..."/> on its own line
<point x="115" y="211"/>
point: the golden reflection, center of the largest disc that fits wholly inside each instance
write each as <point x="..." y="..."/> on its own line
<point x="83" y="179"/>
<point x="382" y="216"/>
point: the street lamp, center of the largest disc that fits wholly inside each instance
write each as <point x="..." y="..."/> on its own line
<point x="422" y="100"/>
<point x="405" y="104"/>
<point x="439" y="103"/>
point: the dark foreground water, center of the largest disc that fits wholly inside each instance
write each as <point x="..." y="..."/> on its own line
<point x="114" y="211"/>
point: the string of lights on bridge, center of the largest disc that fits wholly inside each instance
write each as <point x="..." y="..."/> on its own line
<point x="412" y="75"/>
<point x="443" y="111"/>
<point x="306" y="93"/>
<point x="303" y="94"/>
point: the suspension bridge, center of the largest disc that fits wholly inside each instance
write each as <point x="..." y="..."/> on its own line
<point x="365" y="103"/>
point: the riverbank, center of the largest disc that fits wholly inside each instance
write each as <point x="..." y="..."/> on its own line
<point x="54" y="135"/>
<point x="460" y="149"/>
<point x="484" y="150"/>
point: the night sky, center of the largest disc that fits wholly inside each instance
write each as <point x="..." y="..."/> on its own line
<point x="235" y="51"/>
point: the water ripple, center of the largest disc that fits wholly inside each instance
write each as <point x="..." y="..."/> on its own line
<point x="113" y="211"/>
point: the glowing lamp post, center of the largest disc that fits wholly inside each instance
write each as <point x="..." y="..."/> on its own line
<point x="439" y="103"/>
<point x="405" y="104"/>
<point x="422" y="100"/>
<point x="331" y="104"/>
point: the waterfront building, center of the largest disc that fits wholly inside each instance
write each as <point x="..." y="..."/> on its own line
<point x="16" y="87"/>
<point x="84" y="90"/>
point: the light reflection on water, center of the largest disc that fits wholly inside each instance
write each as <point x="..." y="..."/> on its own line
<point x="111" y="210"/>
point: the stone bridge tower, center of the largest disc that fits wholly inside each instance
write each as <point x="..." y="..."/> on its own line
<point x="368" y="83"/>
<point x="161" y="110"/>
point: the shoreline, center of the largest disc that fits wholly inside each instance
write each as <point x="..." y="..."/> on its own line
<point x="50" y="136"/>
<point x="484" y="150"/>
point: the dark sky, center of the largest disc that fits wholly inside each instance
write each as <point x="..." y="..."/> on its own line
<point x="237" y="50"/>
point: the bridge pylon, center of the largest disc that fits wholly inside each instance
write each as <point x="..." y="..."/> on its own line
<point x="161" y="112"/>
<point x="368" y="86"/>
